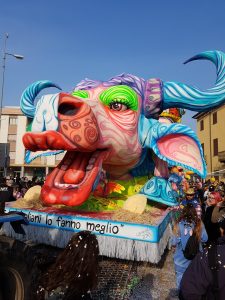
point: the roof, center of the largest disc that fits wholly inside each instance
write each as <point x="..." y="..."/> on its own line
<point x="11" y="110"/>
<point x="201" y="114"/>
<point x="205" y="113"/>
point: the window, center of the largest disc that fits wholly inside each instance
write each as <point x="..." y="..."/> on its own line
<point x="201" y="125"/>
<point x="215" y="117"/>
<point x="215" y="147"/>
<point x="13" y="121"/>
<point x="203" y="148"/>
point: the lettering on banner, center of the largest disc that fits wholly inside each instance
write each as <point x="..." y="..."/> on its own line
<point x="48" y="221"/>
<point x="32" y="218"/>
<point x="67" y="223"/>
<point x="96" y="226"/>
<point x="102" y="229"/>
<point x="63" y="222"/>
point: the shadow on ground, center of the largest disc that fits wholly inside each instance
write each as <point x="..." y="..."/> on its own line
<point x="123" y="279"/>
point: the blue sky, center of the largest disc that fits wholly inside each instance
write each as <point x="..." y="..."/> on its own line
<point x="66" y="41"/>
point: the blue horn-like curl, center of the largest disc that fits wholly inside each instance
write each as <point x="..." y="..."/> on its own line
<point x="30" y="93"/>
<point x="181" y="95"/>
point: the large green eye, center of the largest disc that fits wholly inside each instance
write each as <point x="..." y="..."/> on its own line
<point x="80" y="93"/>
<point x="120" y="98"/>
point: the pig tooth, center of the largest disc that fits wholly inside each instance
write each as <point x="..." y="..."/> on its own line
<point x="66" y="186"/>
<point x="61" y="185"/>
<point x="89" y="167"/>
<point x="73" y="186"/>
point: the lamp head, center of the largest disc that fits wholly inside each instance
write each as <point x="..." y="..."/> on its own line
<point x="18" y="56"/>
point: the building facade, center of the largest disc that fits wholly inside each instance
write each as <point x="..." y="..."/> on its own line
<point x="211" y="133"/>
<point x="13" y="127"/>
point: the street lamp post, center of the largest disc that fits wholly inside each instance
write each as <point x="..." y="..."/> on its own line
<point x="5" y="54"/>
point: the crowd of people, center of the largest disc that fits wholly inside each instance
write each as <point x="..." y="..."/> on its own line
<point x="199" y="241"/>
<point x="20" y="185"/>
<point x="12" y="189"/>
<point x="199" y="223"/>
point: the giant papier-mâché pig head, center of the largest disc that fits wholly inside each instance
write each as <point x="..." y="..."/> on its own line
<point x="113" y="125"/>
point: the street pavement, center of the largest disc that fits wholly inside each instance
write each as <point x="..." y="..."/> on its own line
<point x="123" y="280"/>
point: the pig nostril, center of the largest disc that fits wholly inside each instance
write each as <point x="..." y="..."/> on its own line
<point x="68" y="109"/>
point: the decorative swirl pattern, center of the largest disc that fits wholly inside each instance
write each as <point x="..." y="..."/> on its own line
<point x="160" y="190"/>
<point x="119" y="134"/>
<point x="91" y="134"/>
<point x="152" y="102"/>
<point x="188" y="152"/>
<point x="77" y="138"/>
<point x="74" y="124"/>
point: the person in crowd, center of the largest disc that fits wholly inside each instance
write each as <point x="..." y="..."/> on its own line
<point x="6" y="194"/>
<point x="74" y="274"/>
<point x="9" y="181"/>
<point x="17" y="191"/>
<point x="191" y="199"/>
<point x="199" y="191"/>
<point x="212" y="229"/>
<point x="188" y="223"/>
<point x="204" y="278"/>
<point x="219" y="209"/>
<point x="208" y="190"/>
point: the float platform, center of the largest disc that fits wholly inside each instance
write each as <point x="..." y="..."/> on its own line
<point x="124" y="240"/>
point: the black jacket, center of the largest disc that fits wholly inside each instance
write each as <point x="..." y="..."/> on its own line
<point x="197" y="280"/>
<point x="212" y="229"/>
<point x="6" y="193"/>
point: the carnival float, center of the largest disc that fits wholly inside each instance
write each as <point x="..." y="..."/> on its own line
<point x="120" y="138"/>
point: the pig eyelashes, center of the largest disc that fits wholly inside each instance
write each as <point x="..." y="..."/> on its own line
<point x="122" y="97"/>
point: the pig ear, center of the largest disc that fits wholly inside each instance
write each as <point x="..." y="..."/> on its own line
<point x="178" y="145"/>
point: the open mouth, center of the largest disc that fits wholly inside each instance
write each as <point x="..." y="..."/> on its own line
<point x="76" y="176"/>
<point x="72" y="181"/>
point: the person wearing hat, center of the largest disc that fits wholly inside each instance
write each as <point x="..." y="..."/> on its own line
<point x="204" y="278"/>
<point x="191" y="199"/>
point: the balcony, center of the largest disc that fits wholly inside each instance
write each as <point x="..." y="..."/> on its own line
<point x="221" y="156"/>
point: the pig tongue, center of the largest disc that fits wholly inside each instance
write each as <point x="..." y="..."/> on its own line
<point x="73" y="167"/>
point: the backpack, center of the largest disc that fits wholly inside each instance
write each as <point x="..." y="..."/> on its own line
<point x="191" y="248"/>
